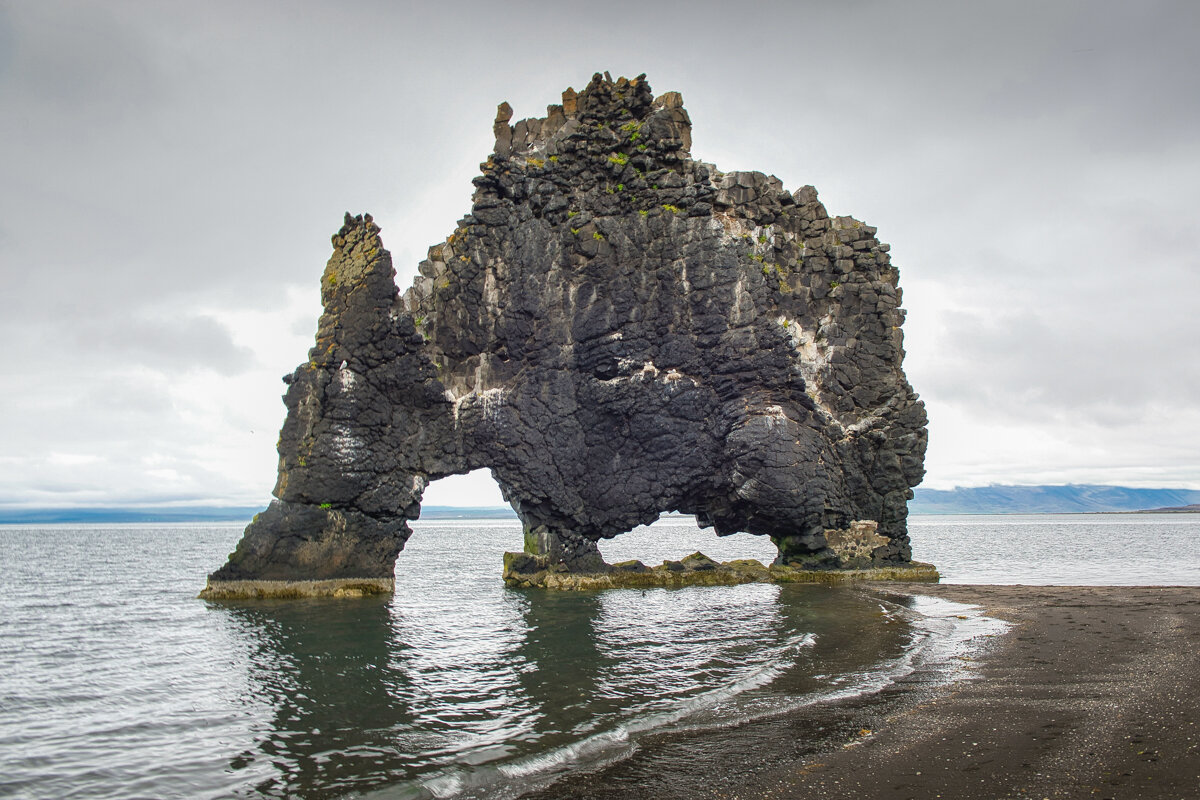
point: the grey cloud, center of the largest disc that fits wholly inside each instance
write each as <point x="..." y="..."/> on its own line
<point x="176" y="343"/>
<point x="135" y="401"/>
<point x="1021" y="364"/>
<point x="168" y="343"/>
<point x="75" y="61"/>
<point x="81" y="408"/>
<point x="114" y="437"/>
<point x="305" y="325"/>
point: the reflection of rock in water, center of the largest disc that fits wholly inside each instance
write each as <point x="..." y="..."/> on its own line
<point x="615" y="330"/>
<point x="853" y="631"/>
<point x="325" y="670"/>
<point x="854" y="644"/>
<point x="560" y="659"/>
<point x="462" y="685"/>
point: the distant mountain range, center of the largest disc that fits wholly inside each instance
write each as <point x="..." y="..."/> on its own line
<point x="1048" y="500"/>
<point x="55" y="516"/>
<point x="977" y="500"/>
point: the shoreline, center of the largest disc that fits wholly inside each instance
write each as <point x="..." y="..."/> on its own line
<point x="1091" y="693"/>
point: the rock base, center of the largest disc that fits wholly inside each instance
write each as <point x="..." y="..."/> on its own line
<point x="522" y="570"/>
<point x="262" y="590"/>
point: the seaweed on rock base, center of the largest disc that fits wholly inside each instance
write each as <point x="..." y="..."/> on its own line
<point x="523" y="571"/>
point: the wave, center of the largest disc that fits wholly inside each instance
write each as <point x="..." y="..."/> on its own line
<point x="945" y="638"/>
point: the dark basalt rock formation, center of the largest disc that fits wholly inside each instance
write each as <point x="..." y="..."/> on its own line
<point x="615" y="330"/>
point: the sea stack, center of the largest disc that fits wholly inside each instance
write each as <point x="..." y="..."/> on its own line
<point x="616" y="330"/>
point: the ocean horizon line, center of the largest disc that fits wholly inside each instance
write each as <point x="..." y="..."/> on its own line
<point x="994" y="499"/>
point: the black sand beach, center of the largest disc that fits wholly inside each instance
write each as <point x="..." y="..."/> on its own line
<point x="1093" y="693"/>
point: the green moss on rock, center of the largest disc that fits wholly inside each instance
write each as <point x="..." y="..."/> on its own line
<point x="522" y="570"/>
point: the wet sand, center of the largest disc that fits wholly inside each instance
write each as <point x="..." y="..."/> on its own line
<point x="1093" y="693"/>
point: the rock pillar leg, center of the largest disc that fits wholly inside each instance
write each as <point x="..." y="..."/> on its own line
<point x="294" y="550"/>
<point x="804" y="550"/>
<point x="548" y="550"/>
<point x="346" y="485"/>
<point x="576" y="553"/>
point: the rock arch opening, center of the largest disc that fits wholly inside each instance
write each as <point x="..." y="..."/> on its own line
<point x="471" y="493"/>
<point x="673" y="537"/>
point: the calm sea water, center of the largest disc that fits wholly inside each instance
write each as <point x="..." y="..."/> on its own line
<point x="116" y="682"/>
<point x="1062" y="549"/>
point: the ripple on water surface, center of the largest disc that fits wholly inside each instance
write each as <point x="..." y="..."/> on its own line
<point x="116" y="682"/>
<point x="1062" y="549"/>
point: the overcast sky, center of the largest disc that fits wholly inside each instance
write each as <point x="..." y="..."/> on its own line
<point x="171" y="172"/>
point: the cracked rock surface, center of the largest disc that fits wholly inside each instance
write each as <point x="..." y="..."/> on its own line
<point x="616" y="330"/>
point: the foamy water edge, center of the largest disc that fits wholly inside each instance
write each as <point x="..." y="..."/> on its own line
<point x="948" y="637"/>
